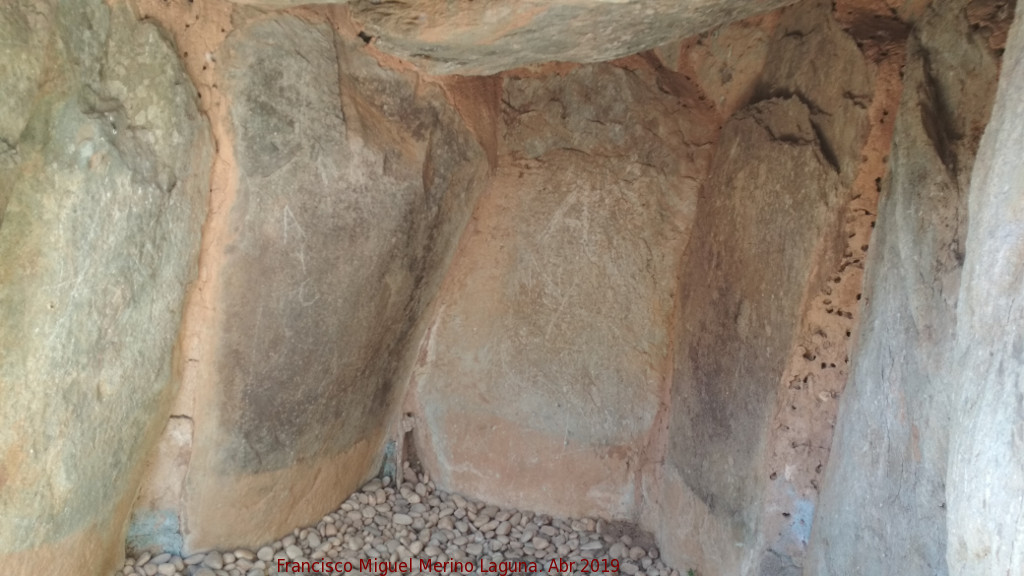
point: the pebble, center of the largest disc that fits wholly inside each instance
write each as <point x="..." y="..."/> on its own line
<point x="413" y="520"/>
<point x="214" y="560"/>
<point x="293" y="552"/>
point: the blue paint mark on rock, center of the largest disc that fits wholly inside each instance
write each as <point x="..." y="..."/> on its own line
<point x="154" y="530"/>
<point x="802" y="516"/>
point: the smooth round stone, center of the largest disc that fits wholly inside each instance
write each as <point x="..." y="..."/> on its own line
<point x="503" y="528"/>
<point x="402" y="519"/>
<point x="293" y="552"/>
<point x="194" y="559"/>
<point x="266" y="553"/>
<point x="166" y="569"/>
<point x="214" y="560"/>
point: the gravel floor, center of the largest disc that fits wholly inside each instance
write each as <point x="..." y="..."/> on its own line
<point x="418" y="522"/>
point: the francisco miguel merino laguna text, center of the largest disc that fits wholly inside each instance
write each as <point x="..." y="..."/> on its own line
<point x="486" y="566"/>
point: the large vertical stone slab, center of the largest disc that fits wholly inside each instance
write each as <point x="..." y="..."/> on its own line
<point x="767" y="234"/>
<point x="351" y="185"/>
<point x="883" y="507"/>
<point x="986" y="463"/>
<point x="547" y="358"/>
<point x="765" y="219"/>
<point x="103" y="188"/>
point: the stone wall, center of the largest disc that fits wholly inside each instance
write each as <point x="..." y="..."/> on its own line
<point x="885" y="500"/>
<point x="104" y="171"/>
<point x="546" y="360"/>
<point x="346" y="188"/>
<point x="985" y="478"/>
<point x="767" y="238"/>
<point x="250" y="256"/>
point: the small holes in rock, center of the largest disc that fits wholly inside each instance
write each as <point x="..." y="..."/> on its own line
<point x="773" y="476"/>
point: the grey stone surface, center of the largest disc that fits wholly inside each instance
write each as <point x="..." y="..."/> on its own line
<point x="354" y="183"/>
<point x="884" y="504"/>
<point x="755" y="249"/>
<point x="26" y="27"/>
<point x="105" y="195"/>
<point x="767" y="232"/>
<point x="348" y="206"/>
<point x="986" y="463"/>
<point x="486" y="37"/>
<point x="812" y="59"/>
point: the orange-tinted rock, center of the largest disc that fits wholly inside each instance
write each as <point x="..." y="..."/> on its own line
<point x="547" y="357"/>
<point x="767" y="232"/>
<point x="351" y="185"/>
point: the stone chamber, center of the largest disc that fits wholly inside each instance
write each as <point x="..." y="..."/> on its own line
<point x="746" y="275"/>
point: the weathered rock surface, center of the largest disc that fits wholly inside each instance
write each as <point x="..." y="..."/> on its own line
<point x="469" y="37"/>
<point x="755" y="248"/>
<point x="986" y="464"/>
<point x="767" y="233"/>
<point x="811" y="59"/>
<point x="547" y="356"/>
<point x="352" y="184"/>
<point x="103" y="189"/>
<point x="883" y="508"/>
